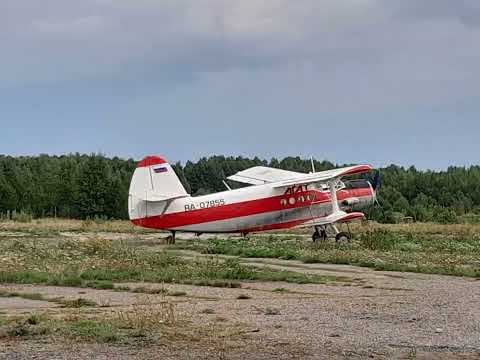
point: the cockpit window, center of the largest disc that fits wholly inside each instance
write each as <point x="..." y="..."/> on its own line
<point x="357" y="184"/>
<point x="325" y="187"/>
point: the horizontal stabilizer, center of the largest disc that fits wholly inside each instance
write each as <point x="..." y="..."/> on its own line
<point x="154" y="197"/>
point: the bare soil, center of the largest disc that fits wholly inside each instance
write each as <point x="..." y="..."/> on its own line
<point x="372" y="314"/>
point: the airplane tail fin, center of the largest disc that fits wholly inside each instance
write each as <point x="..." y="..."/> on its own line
<point x="154" y="181"/>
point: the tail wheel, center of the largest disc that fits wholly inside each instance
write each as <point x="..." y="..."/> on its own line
<point x="343" y="236"/>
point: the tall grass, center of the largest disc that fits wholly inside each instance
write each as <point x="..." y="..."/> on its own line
<point x="99" y="263"/>
<point x="451" y="253"/>
<point x="54" y="225"/>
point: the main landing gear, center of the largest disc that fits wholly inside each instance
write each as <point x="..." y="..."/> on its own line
<point x="322" y="232"/>
<point x="171" y="239"/>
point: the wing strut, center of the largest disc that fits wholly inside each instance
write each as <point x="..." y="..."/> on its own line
<point x="333" y="196"/>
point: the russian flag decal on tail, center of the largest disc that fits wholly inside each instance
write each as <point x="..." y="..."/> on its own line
<point x="160" y="169"/>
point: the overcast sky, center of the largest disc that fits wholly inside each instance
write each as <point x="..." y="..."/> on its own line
<point x="376" y="81"/>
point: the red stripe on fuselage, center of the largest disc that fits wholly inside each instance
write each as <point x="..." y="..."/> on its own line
<point x="244" y="208"/>
<point x="276" y="226"/>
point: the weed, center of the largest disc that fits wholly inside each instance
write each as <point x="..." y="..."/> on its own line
<point x="35" y="319"/>
<point x="21" y="217"/>
<point x="28" y="296"/>
<point x="77" y="303"/>
<point x="121" y="288"/>
<point x="145" y="290"/>
<point x="147" y="315"/>
<point x="214" y="283"/>
<point x="19" y="329"/>
<point x="271" y="311"/>
<point x="94" y="330"/>
<point x="101" y="285"/>
<point x="208" y="311"/>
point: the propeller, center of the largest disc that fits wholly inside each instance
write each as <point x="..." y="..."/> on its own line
<point x="375" y="182"/>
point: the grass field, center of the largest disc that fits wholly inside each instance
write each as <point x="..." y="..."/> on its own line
<point x="99" y="263"/>
<point x="52" y="227"/>
<point x="424" y="248"/>
<point x="108" y="283"/>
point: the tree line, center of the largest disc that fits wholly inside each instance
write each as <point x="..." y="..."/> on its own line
<point x="89" y="186"/>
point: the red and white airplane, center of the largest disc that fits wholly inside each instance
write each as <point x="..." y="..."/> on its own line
<point x="277" y="199"/>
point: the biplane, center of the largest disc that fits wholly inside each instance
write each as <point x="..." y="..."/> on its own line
<point x="274" y="199"/>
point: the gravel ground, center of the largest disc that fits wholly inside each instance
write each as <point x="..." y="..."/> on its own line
<point x="376" y="315"/>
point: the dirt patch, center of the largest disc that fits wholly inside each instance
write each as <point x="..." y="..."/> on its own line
<point x="15" y="305"/>
<point x="392" y="317"/>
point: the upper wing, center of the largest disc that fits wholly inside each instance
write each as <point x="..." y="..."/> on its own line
<point x="260" y="175"/>
<point x="323" y="176"/>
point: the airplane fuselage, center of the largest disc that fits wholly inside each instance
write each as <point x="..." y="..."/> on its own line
<point x="245" y="210"/>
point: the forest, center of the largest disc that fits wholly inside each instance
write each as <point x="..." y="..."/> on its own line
<point x="95" y="186"/>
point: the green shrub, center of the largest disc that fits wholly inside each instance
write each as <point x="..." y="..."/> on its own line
<point x="78" y="303"/>
<point x="378" y="240"/>
<point x="272" y="311"/>
<point x="21" y="217"/>
<point x="94" y="330"/>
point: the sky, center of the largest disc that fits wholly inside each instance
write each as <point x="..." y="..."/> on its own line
<point x="350" y="81"/>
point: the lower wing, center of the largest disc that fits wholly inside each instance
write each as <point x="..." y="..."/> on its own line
<point x="335" y="218"/>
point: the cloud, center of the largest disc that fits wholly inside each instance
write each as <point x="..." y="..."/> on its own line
<point x="466" y="12"/>
<point x="350" y="54"/>
<point x="84" y="26"/>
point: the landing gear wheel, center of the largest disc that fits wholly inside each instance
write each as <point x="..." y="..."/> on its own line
<point x="316" y="236"/>
<point x="343" y="236"/>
